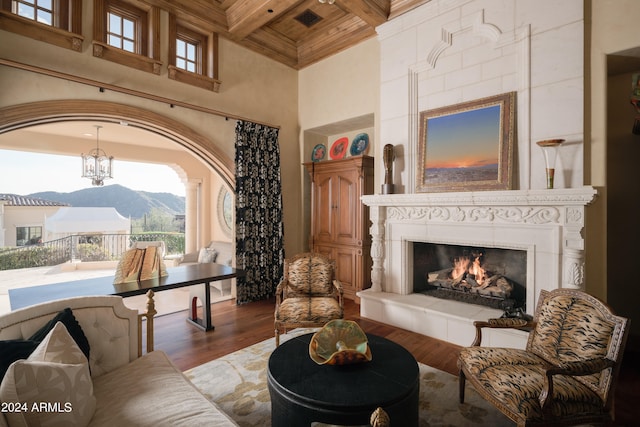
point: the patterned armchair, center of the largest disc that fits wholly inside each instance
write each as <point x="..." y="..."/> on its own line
<point x="308" y="295"/>
<point x="567" y="373"/>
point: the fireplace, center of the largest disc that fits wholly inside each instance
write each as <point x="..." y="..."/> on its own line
<point x="542" y="228"/>
<point x="491" y="277"/>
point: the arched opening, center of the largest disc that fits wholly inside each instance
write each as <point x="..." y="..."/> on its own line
<point x="25" y="115"/>
<point x="202" y="166"/>
<point x="195" y="148"/>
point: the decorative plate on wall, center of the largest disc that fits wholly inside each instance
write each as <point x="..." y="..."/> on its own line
<point x="360" y="144"/>
<point x="339" y="148"/>
<point x="319" y="152"/>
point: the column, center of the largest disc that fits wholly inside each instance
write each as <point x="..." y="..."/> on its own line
<point x="192" y="216"/>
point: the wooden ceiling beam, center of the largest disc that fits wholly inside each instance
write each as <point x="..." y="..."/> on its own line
<point x="398" y="7"/>
<point x="202" y="13"/>
<point x="246" y="16"/>
<point x="372" y="12"/>
<point x="342" y="34"/>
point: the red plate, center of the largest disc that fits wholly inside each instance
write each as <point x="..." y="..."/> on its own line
<point x="339" y="148"/>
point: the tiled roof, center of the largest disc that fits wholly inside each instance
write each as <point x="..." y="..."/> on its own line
<point x="16" y="200"/>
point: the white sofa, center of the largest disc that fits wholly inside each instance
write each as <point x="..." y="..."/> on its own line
<point x="218" y="252"/>
<point x="130" y="389"/>
<point x="223" y="254"/>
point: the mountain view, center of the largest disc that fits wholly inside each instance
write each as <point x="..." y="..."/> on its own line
<point x="129" y="203"/>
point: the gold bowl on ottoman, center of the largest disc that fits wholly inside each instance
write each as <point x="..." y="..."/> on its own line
<point x="339" y="342"/>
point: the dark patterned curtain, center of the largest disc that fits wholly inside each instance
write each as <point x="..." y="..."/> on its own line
<point x="259" y="228"/>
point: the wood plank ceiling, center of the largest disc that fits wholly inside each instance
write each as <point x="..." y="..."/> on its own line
<point x="296" y="33"/>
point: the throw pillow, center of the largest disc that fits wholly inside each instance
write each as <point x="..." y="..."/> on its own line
<point x="12" y="350"/>
<point x="71" y="324"/>
<point x="52" y="387"/>
<point x="207" y="255"/>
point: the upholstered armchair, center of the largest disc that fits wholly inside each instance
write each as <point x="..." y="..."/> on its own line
<point x="566" y="374"/>
<point x="308" y="295"/>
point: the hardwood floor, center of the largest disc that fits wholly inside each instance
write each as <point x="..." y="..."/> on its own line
<point x="237" y="327"/>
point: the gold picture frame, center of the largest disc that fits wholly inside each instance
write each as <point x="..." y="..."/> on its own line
<point x="467" y="146"/>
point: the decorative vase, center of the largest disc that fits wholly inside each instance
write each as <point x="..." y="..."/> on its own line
<point x="339" y="342"/>
<point x="550" y="150"/>
<point x="388" y="156"/>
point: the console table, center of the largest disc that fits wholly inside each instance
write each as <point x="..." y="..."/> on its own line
<point x="303" y="392"/>
<point x="178" y="277"/>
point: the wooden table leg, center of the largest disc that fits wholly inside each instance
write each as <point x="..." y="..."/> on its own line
<point x="205" y="323"/>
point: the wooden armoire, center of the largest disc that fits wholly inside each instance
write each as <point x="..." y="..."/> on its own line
<point x="340" y="221"/>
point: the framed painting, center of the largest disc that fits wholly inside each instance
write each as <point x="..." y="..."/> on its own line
<point x="468" y="146"/>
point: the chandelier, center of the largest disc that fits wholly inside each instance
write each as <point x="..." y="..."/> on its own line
<point x="327" y="1"/>
<point x="96" y="165"/>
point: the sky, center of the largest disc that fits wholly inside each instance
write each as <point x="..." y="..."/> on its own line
<point x="25" y="173"/>
<point x="464" y="139"/>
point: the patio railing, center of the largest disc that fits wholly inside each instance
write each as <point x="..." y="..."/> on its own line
<point x="102" y="247"/>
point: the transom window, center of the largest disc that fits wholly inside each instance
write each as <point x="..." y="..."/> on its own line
<point x="38" y="10"/>
<point x="187" y="55"/>
<point x="190" y="50"/>
<point x="121" y="31"/>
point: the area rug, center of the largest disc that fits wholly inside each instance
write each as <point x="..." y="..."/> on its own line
<point x="237" y="383"/>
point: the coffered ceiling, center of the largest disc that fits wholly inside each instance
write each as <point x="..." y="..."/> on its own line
<point x="296" y="33"/>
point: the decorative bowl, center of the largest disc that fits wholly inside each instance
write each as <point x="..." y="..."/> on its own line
<point x="339" y="342"/>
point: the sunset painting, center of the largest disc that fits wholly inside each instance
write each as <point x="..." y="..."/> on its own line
<point x="451" y="157"/>
<point x="464" y="147"/>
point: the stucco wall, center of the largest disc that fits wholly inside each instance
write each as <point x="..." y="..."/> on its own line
<point x="24" y="216"/>
<point x="343" y="86"/>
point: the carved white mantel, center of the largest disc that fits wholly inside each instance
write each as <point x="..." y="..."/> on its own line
<point x="547" y="224"/>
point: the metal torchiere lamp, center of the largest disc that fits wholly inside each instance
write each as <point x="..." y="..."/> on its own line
<point x="96" y="165"/>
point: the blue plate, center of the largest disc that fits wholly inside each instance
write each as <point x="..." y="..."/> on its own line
<point x="360" y="144"/>
<point x="318" y="153"/>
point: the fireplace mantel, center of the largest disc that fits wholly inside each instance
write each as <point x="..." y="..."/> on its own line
<point x="547" y="224"/>
<point x="557" y="197"/>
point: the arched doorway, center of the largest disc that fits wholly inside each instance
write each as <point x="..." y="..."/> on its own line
<point x="32" y="114"/>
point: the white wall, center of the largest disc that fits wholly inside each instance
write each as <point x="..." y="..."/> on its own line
<point x="448" y="52"/>
<point x="24" y="216"/>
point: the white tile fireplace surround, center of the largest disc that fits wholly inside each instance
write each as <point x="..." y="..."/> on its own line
<point x="547" y="224"/>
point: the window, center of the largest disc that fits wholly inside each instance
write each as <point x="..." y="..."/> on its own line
<point x="125" y="26"/>
<point x="127" y="32"/>
<point x="186" y="55"/>
<point x="121" y="32"/>
<point x="58" y="22"/>
<point x="37" y="10"/>
<point x="193" y="55"/>
<point x="28" y="236"/>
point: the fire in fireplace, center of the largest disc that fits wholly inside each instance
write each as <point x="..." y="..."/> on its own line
<point x="493" y="277"/>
